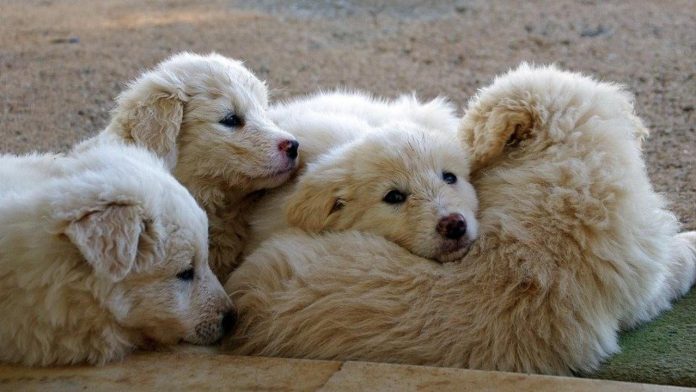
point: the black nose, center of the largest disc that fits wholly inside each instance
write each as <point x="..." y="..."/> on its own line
<point x="290" y="148"/>
<point x="228" y="321"/>
<point x="453" y="226"/>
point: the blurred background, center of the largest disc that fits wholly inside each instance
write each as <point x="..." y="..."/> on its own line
<point x="63" y="62"/>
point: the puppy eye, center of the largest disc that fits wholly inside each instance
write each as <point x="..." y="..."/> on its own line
<point x="394" y="197"/>
<point x="449" y="178"/>
<point x="232" y="121"/>
<point x="186" y="274"/>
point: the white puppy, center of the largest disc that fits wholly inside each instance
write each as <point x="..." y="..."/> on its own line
<point x="327" y="119"/>
<point x="101" y="252"/>
<point x="574" y="246"/>
<point x="408" y="186"/>
<point x="339" y="133"/>
<point x="207" y="117"/>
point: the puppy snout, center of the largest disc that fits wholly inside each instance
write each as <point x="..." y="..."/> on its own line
<point x="453" y="226"/>
<point x="229" y="320"/>
<point x="290" y="148"/>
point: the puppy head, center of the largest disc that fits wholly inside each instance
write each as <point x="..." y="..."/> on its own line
<point x="206" y="116"/>
<point x="145" y="239"/>
<point x="408" y="186"/>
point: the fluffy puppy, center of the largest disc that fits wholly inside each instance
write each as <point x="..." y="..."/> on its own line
<point x="408" y="186"/>
<point x="207" y="117"/>
<point x="574" y="246"/>
<point x="101" y="252"/>
<point x="324" y="123"/>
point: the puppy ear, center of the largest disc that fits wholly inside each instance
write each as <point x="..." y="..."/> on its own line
<point x="108" y="238"/>
<point x="150" y="113"/>
<point x="315" y="203"/>
<point x="487" y="130"/>
<point x="156" y="124"/>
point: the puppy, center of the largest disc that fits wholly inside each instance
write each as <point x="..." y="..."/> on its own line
<point x="324" y="123"/>
<point x="574" y="246"/>
<point x="101" y="252"/>
<point x="408" y="186"/>
<point x="206" y="116"/>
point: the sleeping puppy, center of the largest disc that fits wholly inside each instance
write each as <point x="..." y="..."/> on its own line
<point x="101" y="252"/>
<point x="206" y="116"/>
<point x="406" y="185"/>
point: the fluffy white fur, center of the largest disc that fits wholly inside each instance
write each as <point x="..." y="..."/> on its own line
<point x="348" y="187"/>
<point x="328" y="119"/>
<point x="339" y="134"/>
<point x="90" y="248"/>
<point x="178" y="110"/>
<point x="574" y="246"/>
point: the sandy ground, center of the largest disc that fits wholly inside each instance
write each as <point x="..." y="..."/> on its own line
<point x="63" y="62"/>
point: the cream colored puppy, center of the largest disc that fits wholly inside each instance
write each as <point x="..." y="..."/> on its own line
<point x="101" y="252"/>
<point x="574" y="246"/>
<point x="324" y="123"/>
<point x="207" y="117"/>
<point x="408" y="186"/>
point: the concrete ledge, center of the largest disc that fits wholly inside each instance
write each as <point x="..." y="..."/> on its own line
<point x="208" y="371"/>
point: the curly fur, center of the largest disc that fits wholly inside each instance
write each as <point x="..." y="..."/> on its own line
<point x="574" y="246"/>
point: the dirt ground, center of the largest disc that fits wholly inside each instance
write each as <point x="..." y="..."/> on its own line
<point x="63" y="62"/>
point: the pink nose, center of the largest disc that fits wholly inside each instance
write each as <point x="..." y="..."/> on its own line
<point x="453" y="226"/>
<point x="290" y="148"/>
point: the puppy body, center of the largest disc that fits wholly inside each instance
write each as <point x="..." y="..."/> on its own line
<point x="574" y="246"/>
<point x="328" y="119"/>
<point x="207" y="117"/>
<point x="90" y="249"/>
<point x="324" y="124"/>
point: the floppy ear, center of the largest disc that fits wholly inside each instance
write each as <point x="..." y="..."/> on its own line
<point x="156" y="124"/>
<point x="150" y="113"/>
<point x="314" y="203"/>
<point x="108" y="238"/>
<point x="487" y="130"/>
